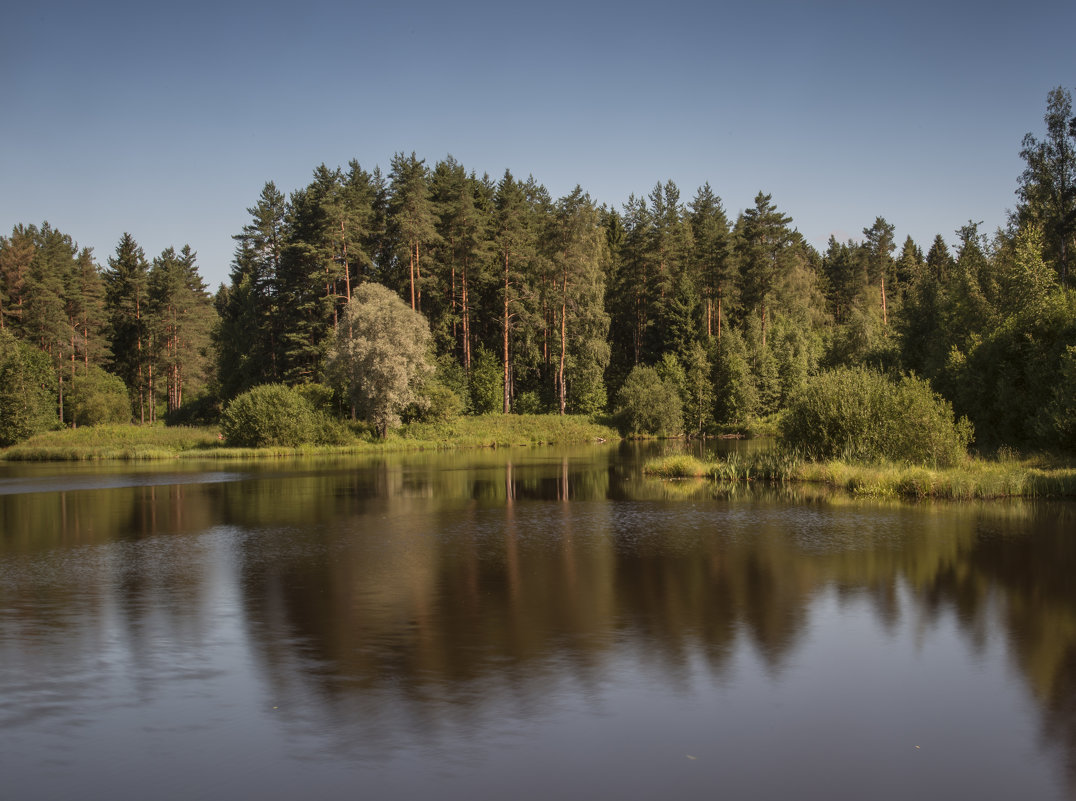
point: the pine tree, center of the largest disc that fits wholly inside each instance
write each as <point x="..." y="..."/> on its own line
<point x="582" y="347"/>
<point x="764" y="241"/>
<point x="515" y="243"/>
<point x="1047" y="189"/>
<point x="713" y="258"/>
<point x="16" y="256"/>
<point x="126" y="290"/>
<point x="412" y="216"/>
<point x="878" y="245"/>
<point x="248" y="335"/>
<point x="85" y="306"/>
<point x="464" y="227"/>
<point x="181" y="319"/>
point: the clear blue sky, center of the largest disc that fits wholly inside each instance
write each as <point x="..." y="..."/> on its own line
<point x="165" y="120"/>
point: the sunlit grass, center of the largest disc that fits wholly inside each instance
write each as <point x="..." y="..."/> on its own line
<point x="976" y="478"/>
<point x="158" y="442"/>
<point x="678" y="465"/>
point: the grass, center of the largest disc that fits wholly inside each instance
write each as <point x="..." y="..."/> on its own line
<point x="158" y="442"/>
<point x="976" y="478"/>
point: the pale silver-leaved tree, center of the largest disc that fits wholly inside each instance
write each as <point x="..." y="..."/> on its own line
<point x="382" y="355"/>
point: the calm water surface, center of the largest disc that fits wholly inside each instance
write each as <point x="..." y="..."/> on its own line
<point x="526" y="624"/>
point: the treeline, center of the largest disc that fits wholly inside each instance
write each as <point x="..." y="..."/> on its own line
<point x="541" y="304"/>
<point x="81" y="344"/>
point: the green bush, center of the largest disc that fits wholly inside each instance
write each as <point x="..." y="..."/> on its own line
<point x="486" y="383"/>
<point x="440" y="404"/>
<point x="96" y="397"/>
<point x="27" y="391"/>
<point x="528" y="402"/>
<point x="203" y="410"/>
<point x="270" y="415"/>
<point x="649" y="404"/>
<point x="858" y="414"/>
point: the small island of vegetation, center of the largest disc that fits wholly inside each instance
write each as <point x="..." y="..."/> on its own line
<point x="435" y="307"/>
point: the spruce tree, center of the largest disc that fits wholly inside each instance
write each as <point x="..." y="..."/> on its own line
<point x="126" y="290"/>
<point x="1047" y="186"/>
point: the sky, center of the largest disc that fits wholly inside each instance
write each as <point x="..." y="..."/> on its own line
<point x="166" y="120"/>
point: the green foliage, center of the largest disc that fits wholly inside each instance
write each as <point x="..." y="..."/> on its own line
<point x="854" y="413"/>
<point x="27" y="394"/>
<point x="204" y="410"/>
<point x="322" y="398"/>
<point x="486" y="383"/>
<point x="127" y="304"/>
<point x="381" y="359"/>
<point x="1047" y="189"/>
<point x="528" y="402"/>
<point x="697" y="391"/>
<point x="649" y="404"/>
<point x="440" y="404"/>
<point x="95" y="397"/>
<point x="269" y="415"/>
<point x="735" y="390"/>
<point x="1017" y="384"/>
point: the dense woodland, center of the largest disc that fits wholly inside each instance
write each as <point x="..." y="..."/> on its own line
<point x="542" y="304"/>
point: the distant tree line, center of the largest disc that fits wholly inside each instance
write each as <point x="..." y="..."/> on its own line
<point x="536" y="304"/>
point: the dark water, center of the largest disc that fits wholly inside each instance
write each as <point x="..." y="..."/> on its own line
<point x="525" y="624"/>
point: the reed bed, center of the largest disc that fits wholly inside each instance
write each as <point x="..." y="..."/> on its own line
<point x="976" y="478"/>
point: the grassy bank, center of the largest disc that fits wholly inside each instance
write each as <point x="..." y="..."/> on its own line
<point x="1041" y="477"/>
<point x="155" y="442"/>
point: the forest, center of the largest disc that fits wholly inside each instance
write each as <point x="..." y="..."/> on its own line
<point x="537" y="304"/>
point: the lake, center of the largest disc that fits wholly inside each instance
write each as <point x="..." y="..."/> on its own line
<point x="526" y="623"/>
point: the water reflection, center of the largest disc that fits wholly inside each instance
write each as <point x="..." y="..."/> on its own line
<point x="365" y="610"/>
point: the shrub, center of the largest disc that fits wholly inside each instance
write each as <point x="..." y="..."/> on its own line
<point x="270" y="415"/>
<point x="649" y="404"/>
<point x="203" y="410"/>
<point x="854" y="413"/>
<point x="486" y="383"/>
<point x="528" y="402"/>
<point x="27" y="391"/>
<point x="440" y="404"/>
<point x="96" y="397"/>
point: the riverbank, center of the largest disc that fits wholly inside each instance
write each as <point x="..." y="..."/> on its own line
<point x="1030" y="477"/>
<point x="157" y="442"/>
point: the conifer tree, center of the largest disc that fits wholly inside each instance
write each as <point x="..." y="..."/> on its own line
<point x="412" y="217"/>
<point x="248" y="335"/>
<point x="126" y="290"/>
<point x="582" y="347"/>
<point x="878" y="246"/>
<point x="1047" y="188"/>
<point x="713" y="258"/>
<point x="85" y="307"/>
<point x="515" y="244"/>
<point x="764" y="241"/>
<point x="465" y="229"/>
<point x="16" y="256"/>
<point x="181" y="319"/>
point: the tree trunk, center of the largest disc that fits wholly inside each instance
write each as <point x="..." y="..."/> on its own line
<point x="418" y="278"/>
<point x="347" y="267"/>
<point x="885" y="316"/>
<point x="466" y="322"/>
<point x="411" y="256"/>
<point x="507" y="398"/>
<point x="563" y="341"/>
<point x="719" y="316"/>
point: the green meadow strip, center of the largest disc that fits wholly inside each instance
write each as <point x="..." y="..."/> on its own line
<point x="157" y="442"/>
<point x="974" y="479"/>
